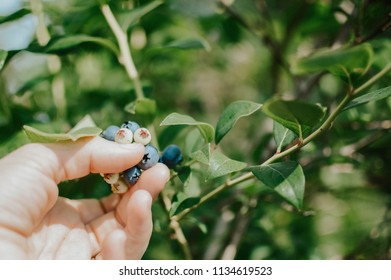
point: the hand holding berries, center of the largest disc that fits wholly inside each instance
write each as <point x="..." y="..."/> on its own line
<point x="130" y="132"/>
<point x="112" y="227"/>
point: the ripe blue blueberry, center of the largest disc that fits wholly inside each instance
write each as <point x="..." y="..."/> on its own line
<point x="133" y="126"/>
<point x="132" y="175"/>
<point x="151" y="157"/>
<point x="109" y="132"/>
<point x="172" y="155"/>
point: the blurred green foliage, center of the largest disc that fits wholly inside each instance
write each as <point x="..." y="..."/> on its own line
<point x="196" y="58"/>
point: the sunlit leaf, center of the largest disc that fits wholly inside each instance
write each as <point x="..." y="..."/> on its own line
<point x="220" y="165"/>
<point x="202" y="155"/>
<point x="298" y="116"/>
<point x="206" y="129"/>
<point x="347" y="63"/>
<point x="285" y="178"/>
<point x="232" y="114"/>
<point x="369" y="97"/>
<point x="85" y="128"/>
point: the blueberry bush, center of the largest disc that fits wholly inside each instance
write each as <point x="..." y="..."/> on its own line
<point x="273" y="116"/>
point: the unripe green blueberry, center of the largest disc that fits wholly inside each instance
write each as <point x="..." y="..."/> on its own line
<point x="124" y="136"/>
<point x="119" y="187"/>
<point x="142" y="136"/>
<point x="111" y="178"/>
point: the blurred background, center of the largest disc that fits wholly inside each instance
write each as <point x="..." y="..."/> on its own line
<point x="195" y="57"/>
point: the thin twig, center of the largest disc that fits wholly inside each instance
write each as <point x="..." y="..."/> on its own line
<point x="379" y="30"/>
<point x="126" y="56"/>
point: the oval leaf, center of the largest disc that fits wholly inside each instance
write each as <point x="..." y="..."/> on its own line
<point x="202" y="155"/>
<point x="220" y="165"/>
<point x="282" y="135"/>
<point x="85" y="128"/>
<point x="368" y="97"/>
<point x="348" y="64"/>
<point x="14" y="16"/>
<point x="3" y="57"/>
<point x="232" y="114"/>
<point x="285" y="178"/>
<point x="300" y="117"/>
<point x="136" y="14"/>
<point x="182" y="201"/>
<point x="144" y="110"/>
<point x="66" y="43"/>
<point x="206" y="129"/>
<point x="189" y="44"/>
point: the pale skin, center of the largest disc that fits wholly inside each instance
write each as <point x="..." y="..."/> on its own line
<point x="35" y="223"/>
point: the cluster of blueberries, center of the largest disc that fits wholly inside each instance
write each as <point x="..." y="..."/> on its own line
<point x="131" y="132"/>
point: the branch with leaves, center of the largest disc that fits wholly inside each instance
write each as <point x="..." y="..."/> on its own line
<point x="293" y="120"/>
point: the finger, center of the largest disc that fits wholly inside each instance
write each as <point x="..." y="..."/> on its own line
<point x="138" y="224"/>
<point x="113" y="247"/>
<point x="107" y="232"/>
<point x="152" y="180"/>
<point x="96" y="155"/>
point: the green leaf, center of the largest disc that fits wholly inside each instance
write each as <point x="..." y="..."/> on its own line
<point x="16" y="15"/>
<point x="184" y="174"/>
<point x="85" y="128"/>
<point x="144" y="110"/>
<point x="182" y="201"/>
<point x="188" y="44"/>
<point x="202" y="155"/>
<point x="202" y="226"/>
<point x="206" y="129"/>
<point x="282" y="135"/>
<point x="64" y="44"/>
<point x="136" y="14"/>
<point x="232" y="114"/>
<point x="348" y="63"/>
<point x="3" y="57"/>
<point x="220" y="165"/>
<point x="298" y="116"/>
<point x="368" y="97"/>
<point x="285" y="178"/>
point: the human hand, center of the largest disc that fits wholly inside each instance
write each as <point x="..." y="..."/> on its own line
<point x="35" y="223"/>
